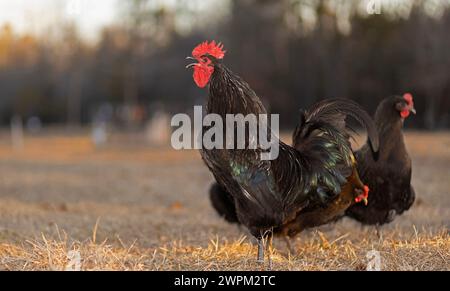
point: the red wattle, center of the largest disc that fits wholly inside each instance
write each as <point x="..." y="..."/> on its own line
<point x="404" y="113"/>
<point x="202" y="74"/>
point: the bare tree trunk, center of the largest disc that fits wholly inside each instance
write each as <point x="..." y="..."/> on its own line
<point x="74" y="100"/>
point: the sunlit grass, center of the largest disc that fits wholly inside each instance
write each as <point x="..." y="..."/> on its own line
<point x="420" y="252"/>
<point x="156" y="214"/>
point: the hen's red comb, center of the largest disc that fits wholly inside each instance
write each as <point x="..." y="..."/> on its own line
<point x="213" y="49"/>
<point x="408" y="97"/>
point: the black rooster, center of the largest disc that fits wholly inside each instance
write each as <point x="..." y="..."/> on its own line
<point x="389" y="178"/>
<point x="314" y="214"/>
<point x="223" y="203"/>
<point x="269" y="194"/>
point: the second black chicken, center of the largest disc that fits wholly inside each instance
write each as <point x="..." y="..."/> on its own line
<point x="389" y="177"/>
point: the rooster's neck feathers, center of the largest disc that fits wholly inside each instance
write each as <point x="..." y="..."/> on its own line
<point x="229" y="94"/>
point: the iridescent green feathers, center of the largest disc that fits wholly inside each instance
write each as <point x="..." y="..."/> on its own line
<point x="323" y="135"/>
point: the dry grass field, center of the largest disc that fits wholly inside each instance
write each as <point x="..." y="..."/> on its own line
<point x="130" y="207"/>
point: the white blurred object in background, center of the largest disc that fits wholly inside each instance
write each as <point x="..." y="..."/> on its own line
<point x="102" y="118"/>
<point x="99" y="134"/>
<point x="17" y="133"/>
<point x="158" y="130"/>
<point x="34" y="124"/>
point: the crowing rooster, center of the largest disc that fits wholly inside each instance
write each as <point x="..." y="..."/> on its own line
<point x="270" y="194"/>
<point x="389" y="177"/>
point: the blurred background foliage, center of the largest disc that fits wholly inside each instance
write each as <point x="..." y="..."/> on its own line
<point x="292" y="53"/>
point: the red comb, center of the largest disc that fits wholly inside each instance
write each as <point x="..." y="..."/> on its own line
<point x="213" y="49"/>
<point x="366" y="190"/>
<point x="408" y="97"/>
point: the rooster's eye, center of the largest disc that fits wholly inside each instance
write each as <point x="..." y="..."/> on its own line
<point x="400" y="106"/>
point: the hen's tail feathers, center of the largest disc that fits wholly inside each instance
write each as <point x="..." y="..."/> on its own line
<point x="334" y="112"/>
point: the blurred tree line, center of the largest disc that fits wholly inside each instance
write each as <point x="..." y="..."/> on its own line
<point x="292" y="52"/>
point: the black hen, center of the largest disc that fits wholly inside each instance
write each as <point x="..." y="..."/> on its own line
<point x="389" y="178"/>
<point x="268" y="194"/>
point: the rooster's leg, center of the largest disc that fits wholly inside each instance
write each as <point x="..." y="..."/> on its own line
<point x="287" y="240"/>
<point x="270" y="249"/>
<point x="379" y="232"/>
<point x="260" y="258"/>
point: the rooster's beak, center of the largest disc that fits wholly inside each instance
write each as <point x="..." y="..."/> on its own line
<point x="413" y="110"/>
<point x="190" y="65"/>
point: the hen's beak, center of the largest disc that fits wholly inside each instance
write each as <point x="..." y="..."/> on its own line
<point x="366" y="201"/>
<point x="190" y="65"/>
<point x="364" y="196"/>
<point x="413" y="110"/>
